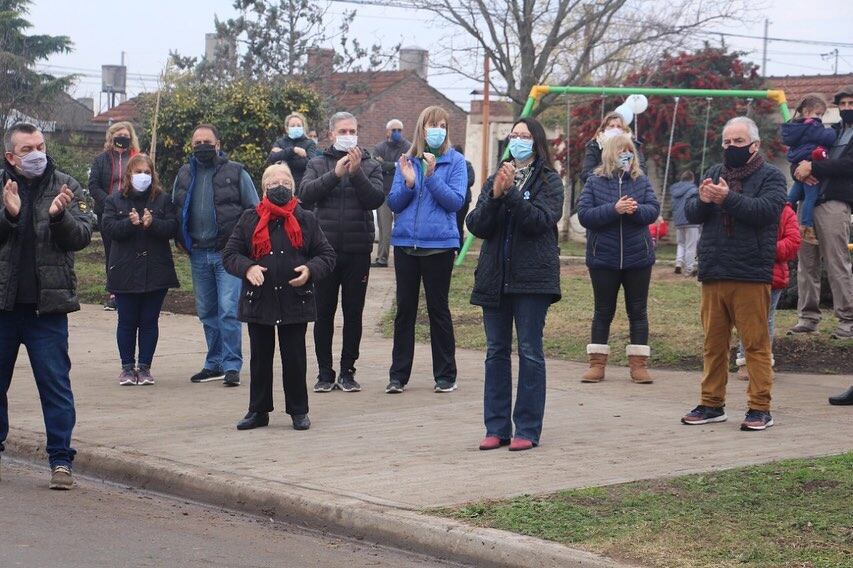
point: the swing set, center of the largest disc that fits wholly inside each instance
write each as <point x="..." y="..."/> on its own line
<point x="775" y="95"/>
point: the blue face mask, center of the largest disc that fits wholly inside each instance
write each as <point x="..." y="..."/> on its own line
<point x="295" y="132"/>
<point x="396" y="136"/>
<point x="435" y="137"/>
<point x="520" y="149"/>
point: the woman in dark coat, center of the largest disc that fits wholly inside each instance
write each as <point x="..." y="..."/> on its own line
<point x="279" y="251"/>
<point x="140" y="220"/>
<point x="294" y="148"/>
<point x="517" y="279"/>
<point x="616" y="207"/>
<point x="612" y="124"/>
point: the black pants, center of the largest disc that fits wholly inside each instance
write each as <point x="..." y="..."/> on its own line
<point x="460" y="217"/>
<point x="291" y="344"/>
<point x="105" y="238"/>
<point x="435" y="271"/>
<point x="605" y="286"/>
<point x="350" y="277"/>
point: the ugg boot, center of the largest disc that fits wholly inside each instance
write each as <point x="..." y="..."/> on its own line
<point x="597" y="360"/>
<point x="638" y="356"/>
<point x="742" y="372"/>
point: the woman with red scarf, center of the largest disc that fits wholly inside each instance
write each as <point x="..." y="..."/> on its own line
<point x="279" y="251"/>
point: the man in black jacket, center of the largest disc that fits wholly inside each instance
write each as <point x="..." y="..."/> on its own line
<point x="387" y="153"/>
<point x="42" y="222"/>
<point x="832" y="225"/>
<point x="739" y="205"/>
<point x="343" y="187"/>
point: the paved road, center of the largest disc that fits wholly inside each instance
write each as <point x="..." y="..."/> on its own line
<point x="98" y="525"/>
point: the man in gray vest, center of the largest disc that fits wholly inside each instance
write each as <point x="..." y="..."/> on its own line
<point x="211" y="192"/>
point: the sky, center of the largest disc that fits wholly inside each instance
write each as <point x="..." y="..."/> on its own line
<point x="146" y="32"/>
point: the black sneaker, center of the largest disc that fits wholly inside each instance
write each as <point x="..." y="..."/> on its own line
<point x="300" y="421"/>
<point x="705" y="415"/>
<point x="394" y="387"/>
<point x="110" y="304"/>
<point x="756" y="420"/>
<point x="322" y="385"/>
<point x="677" y="269"/>
<point x="377" y="264"/>
<point x="232" y="379"/>
<point x="347" y="382"/>
<point x="443" y="385"/>
<point x="207" y="375"/>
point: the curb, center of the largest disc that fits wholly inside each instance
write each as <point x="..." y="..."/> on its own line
<point x="406" y="529"/>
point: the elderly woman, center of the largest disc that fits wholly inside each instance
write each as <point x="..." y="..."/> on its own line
<point x="611" y="125"/>
<point x="279" y="251"/>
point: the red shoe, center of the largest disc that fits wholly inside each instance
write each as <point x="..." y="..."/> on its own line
<point x="520" y="444"/>
<point x="492" y="443"/>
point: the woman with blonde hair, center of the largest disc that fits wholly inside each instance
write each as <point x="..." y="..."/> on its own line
<point x="279" y="251"/>
<point x="105" y="177"/>
<point x="612" y="124"/>
<point x="428" y="188"/>
<point x="294" y="148"/>
<point x="616" y="207"/>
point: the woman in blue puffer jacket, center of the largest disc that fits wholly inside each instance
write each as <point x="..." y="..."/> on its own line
<point x="616" y="207"/>
<point x="429" y="187"/>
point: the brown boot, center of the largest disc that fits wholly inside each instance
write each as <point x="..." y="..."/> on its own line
<point x="638" y="356"/>
<point x="597" y="360"/>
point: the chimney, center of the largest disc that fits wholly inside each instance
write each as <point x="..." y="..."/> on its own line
<point x="320" y="62"/>
<point x="414" y="58"/>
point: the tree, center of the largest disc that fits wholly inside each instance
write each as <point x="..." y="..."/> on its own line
<point x="568" y="42"/>
<point x="23" y="89"/>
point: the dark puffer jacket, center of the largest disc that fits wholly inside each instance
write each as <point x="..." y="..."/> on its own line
<point x="106" y="171"/>
<point x="387" y="153"/>
<point x="617" y="241"/>
<point x="276" y="302"/>
<point x="749" y="252"/>
<point x="140" y="259"/>
<point x="344" y="206"/>
<point x="592" y="158"/>
<point x="56" y="242"/>
<point x="295" y="162"/>
<point x="528" y="218"/>
<point x="836" y="175"/>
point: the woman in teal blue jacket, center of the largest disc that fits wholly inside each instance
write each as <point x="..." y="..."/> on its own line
<point x="428" y="189"/>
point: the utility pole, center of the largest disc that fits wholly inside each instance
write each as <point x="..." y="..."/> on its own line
<point x="484" y="161"/>
<point x="829" y="55"/>
<point x="764" y="55"/>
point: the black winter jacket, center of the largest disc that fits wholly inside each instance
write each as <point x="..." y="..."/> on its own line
<point x="836" y="175"/>
<point x="528" y="216"/>
<point x="140" y="259"/>
<point x="344" y="206"/>
<point x="749" y="252"/>
<point x="592" y="158"/>
<point x="296" y="163"/>
<point x="57" y="240"/>
<point x="276" y="302"/>
<point x="388" y="153"/>
<point x="106" y="170"/>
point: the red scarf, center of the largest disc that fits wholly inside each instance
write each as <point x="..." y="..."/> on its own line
<point x="268" y="211"/>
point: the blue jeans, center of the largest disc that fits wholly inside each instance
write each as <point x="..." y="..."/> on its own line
<point x="771" y="322"/>
<point x="808" y="194"/>
<point x="528" y="311"/>
<point x="46" y="340"/>
<point x="138" y="315"/>
<point x="216" y="297"/>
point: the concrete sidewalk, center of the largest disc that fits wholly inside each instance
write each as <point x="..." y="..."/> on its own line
<point x="372" y="453"/>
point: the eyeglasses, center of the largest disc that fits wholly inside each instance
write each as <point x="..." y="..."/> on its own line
<point x="517" y="136"/>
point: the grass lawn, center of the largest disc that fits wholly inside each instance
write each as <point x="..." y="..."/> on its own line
<point x="793" y="513"/>
<point x="676" y="333"/>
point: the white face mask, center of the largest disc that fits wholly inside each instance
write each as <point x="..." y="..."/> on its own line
<point x="611" y="132"/>
<point x="140" y="182"/>
<point x="346" y="142"/>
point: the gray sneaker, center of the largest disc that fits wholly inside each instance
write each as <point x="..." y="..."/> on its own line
<point x="802" y="327"/>
<point x="347" y="382"/>
<point x="143" y="376"/>
<point x="61" y="478"/>
<point x="842" y="333"/>
<point x="127" y="378"/>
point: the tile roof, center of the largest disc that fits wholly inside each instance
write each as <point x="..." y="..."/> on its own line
<point x="352" y="90"/>
<point x="797" y="86"/>
<point x="128" y="110"/>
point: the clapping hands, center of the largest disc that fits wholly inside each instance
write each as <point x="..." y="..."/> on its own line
<point x="710" y="192"/>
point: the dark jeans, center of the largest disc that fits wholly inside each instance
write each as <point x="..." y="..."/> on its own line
<point x="605" y="286"/>
<point x="291" y="344"/>
<point x="107" y="240"/>
<point x="808" y="194"/>
<point x="46" y="340"/>
<point x="435" y="270"/>
<point x="138" y="315"/>
<point x="528" y="312"/>
<point x="350" y="277"/>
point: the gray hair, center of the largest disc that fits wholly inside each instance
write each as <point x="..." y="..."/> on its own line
<point x="339" y="116"/>
<point x="393" y="122"/>
<point x="24" y="127"/>
<point x="751" y="127"/>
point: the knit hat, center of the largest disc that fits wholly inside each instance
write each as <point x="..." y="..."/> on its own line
<point x="846" y="91"/>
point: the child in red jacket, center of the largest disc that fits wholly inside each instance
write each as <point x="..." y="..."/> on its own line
<point x="788" y="241"/>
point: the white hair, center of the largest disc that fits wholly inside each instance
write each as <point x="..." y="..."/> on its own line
<point x="393" y="122"/>
<point x="751" y="127"/>
<point x="339" y="116"/>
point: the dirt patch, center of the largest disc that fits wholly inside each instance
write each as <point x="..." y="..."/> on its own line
<point x="814" y="354"/>
<point x="180" y="302"/>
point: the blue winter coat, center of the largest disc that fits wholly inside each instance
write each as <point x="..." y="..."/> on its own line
<point x="680" y="191"/>
<point x="617" y="241"/>
<point x="802" y="138"/>
<point x="425" y="215"/>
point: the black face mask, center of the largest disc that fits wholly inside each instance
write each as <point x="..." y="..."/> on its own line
<point x="122" y="142"/>
<point x="847" y="115"/>
<point x="279" y="195"/>
<point x="736" y="156"/>
<point x="205" y="153"/>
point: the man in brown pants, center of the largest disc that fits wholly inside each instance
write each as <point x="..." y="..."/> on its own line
<point x="739" y="205"/>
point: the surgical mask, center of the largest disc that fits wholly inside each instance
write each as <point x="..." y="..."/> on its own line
<point x="625" y="159"/>
<point x="122" y="142"/>
<point x="847" y="115"/>
<point x="33" y="164"/>
<point x="140" y="182"/>
<point x="396" y="136"/>
<point x="346" y="142"/>
<point x="611" y="132"/>
<point x="736" y="156"/>
<point x="295" y="132"/>
<point x="435" y="137"/>
<point x="279" y="195"/>
<point x="520" y="148"/>
<point x="205" y="153"/>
